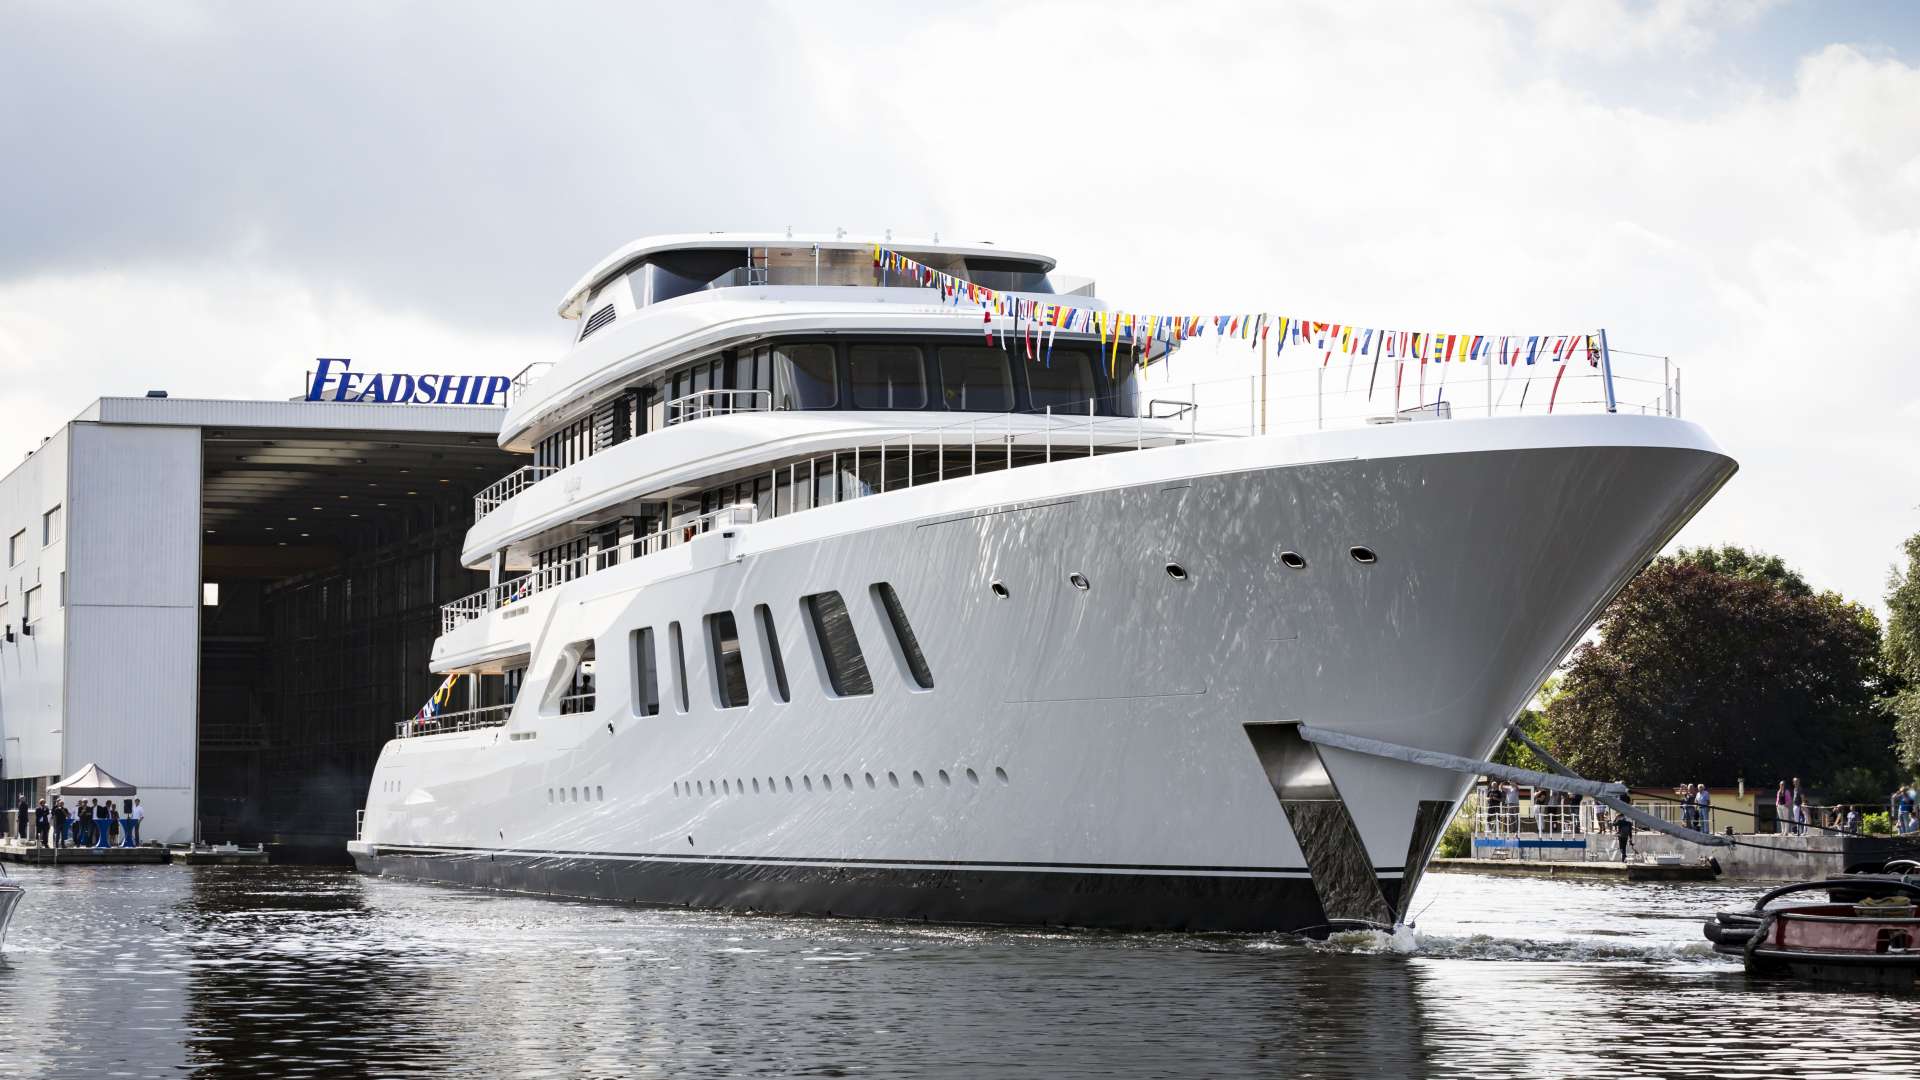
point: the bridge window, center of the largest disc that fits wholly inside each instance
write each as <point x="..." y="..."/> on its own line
<point x="839" y="647"/>
<point x="805" y="377"/>
<point x="730" y="673"/>
<point x="1066" y="385"/>
<point x="887" y="377"/>
<point x="974" y="378"/>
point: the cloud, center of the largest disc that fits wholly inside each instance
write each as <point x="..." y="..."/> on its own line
<point x="223" y="193"/>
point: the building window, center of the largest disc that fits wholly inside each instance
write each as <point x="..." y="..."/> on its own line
<point x="14" y="544"/>
<point x="839" y="647"/>
<point x="209" y="594"/>
<point x="903" y="638"/>
<point x="974" y="378"/>
<point x="31" y="611"/>
<point x="730" y="674"/>
<point x="578" y="696"/>
<point x="804" y="377"/>
<point x="887" y="377"/>
<point x="646" y="673"/>
<point x="50" y="526"/>
<point x="679" y="664"/>
<point x="776" y="664"/>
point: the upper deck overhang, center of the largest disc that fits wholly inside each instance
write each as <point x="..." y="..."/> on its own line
<point x="626" y="255"/>
<point x="678" y="329"/>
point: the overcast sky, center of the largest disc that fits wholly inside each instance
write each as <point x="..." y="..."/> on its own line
<point x="205" y="197"/>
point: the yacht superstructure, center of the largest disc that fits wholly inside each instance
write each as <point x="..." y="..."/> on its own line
<point x="819" y="595"/>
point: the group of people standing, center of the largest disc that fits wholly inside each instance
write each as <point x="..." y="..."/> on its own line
<point x="1790" y="808"/>
<point x="94" y="823"/>
<point x="1696" y="807"/>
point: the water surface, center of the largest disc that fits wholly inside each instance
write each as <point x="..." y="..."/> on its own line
<point x="297" y="971"/>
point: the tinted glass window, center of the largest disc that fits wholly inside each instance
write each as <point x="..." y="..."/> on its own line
<point x="646" y="671"/>
<point x="975" y="378"/>
<point x="839" y="647"/>
<point x="1065" y="385"/>
<point x="723" y="636"/>
<point x="887" y="377"/>
<point x="804" y="377"/>
<point x="776" y="663"/>
<point x="903" y="635"/>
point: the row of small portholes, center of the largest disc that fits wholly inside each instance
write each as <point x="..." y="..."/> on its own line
<point x="578" y="794"/>
<point x="743" y="787"/>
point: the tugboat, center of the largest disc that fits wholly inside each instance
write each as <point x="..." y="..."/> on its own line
<point x="10" y="895"/>
<point x="1867" y="934"/>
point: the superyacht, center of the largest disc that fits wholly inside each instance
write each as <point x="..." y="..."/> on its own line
<point x="827" y="591"/>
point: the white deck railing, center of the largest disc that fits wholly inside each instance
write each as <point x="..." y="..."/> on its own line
<point x="497" y="493"/>
<point x="705" y="403"/>
<point x="466" y="720"/>
<point x="547" y="577"/>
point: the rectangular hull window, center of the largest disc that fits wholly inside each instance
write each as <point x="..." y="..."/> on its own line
<point x="776" y="664"/>
<point x="903" y="638"/>
<point x="839" y="647"/>
<point x="730" y="673"/>
<point x="679" y="664"/>
<point x="646" y="673"/>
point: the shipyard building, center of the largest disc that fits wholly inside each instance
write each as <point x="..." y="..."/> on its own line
<point x="230" y="603"/>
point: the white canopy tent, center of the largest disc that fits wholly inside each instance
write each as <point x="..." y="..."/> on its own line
<point x="91" y="781"/>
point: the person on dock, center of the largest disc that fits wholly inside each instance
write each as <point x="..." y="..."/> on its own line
<point x="62" y="823"/>
<point x="1574" y="800"/>
<point x="1689" y="803"/>
<point x="1799" y="809"/>
<point x="24" y="814"/>
<point x="1510" y="799"/>
<point x="130" y="825"/>
<point x="1622" y="834"/>
<point x="1902" y="809"/>
<point x="42" y="819"/>
<point x="83" y="824"/>
<point x="106" y="820"/>
<point x="1782" y="809"/>
<point x="1705" y="813"/>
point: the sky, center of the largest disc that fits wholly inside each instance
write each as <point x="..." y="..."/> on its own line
<point x="204" y="197"/>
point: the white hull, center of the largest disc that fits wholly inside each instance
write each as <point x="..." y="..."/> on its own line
<point x="1118" y="715"/>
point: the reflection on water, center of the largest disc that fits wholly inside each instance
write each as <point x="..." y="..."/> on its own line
<point x="294" y="971"/>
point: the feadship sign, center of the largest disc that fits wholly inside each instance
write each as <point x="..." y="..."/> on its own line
<point x="333" y="380"/>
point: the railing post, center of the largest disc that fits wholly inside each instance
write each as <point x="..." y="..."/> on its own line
<point x="1606" y="372"/>
<point x="1089" y="427"/>
<point x="856" y="470"/>
<point x="973" y="448"/>
<point x="1193" y="411"/>
<point x="1666" y="383"/>
<point x="1009" y="440"/>
<point x="1319" y="399"/>
<point x="1049" y="444"/>
<point x="909" y="459"/>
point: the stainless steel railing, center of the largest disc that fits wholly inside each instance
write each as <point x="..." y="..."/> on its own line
<point x="466" y="720"/>
<point x="553" y="575"/>
<point x="705" y="403"/>
<point x="494" y="495"/>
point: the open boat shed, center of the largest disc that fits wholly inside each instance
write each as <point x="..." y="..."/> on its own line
<point x="229" y="603"/>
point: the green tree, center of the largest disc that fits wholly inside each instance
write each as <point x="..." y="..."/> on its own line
<point x="1717" y="664"/>
<point x="1903" y="654"/>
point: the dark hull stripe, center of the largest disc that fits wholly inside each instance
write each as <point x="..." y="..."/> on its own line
<point x="958" y="894"/>
<point x="782" y="860"/>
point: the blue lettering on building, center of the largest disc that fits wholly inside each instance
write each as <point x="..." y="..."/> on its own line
<point x="334" y="381"/>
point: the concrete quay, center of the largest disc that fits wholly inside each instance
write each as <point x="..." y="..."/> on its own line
<point x="35" y="855"/>
<point x="145" y="855"/>
<point x="1699" y="869"/>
